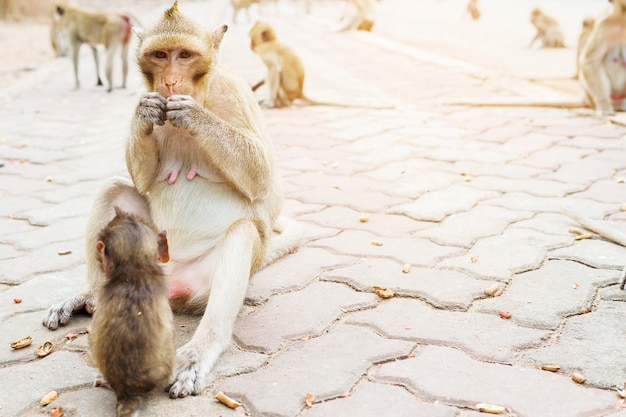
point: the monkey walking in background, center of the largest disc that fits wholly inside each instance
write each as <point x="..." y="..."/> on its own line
<point x="78" y="26"/>
<point x="132" y="336"/>
<point x="200" y="118"/>
<point x="548" y="30"/>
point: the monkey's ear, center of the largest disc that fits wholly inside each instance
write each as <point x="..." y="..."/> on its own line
<point x="60" y="10"/>
<point x="163" y="254"/>
<point x="218" y="35"/>
<point x="107" y="264"/>
<point x="265" y="36"/>
<point x="118" y="211"/>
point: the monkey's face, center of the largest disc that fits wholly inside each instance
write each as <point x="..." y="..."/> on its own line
<point x="174" y="71"/>
<point x="260" y="33"/>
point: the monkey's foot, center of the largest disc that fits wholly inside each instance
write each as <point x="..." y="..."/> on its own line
<point x="60" y="314"/>
<point x="190" y="373"/>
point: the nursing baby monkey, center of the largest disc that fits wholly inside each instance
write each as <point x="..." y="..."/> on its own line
<point x="78" y="26"/>
<point x="132" y="336"/>
<point x="198" y="116"/>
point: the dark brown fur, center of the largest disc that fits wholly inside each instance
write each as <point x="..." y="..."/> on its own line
<point x="131" y="338"/>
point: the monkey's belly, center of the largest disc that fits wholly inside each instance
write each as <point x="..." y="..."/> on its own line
<point x="195" y="214"/>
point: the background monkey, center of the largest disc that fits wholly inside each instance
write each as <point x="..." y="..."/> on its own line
<point x="359" y="16"/>
<point x="197" y="114"/>
<point x="285" y="72"/>
<point x="548" y="30"/>
<point x="112" y="30"/>
<point x="132" y="336"/>
<point x="473" y="10"/>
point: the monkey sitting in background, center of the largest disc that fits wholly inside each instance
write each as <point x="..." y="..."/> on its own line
<point x="359" y="16"/>
<point x="548" y="30"/>
<point x="94" y="28"/>
<point x="131" y="338"/>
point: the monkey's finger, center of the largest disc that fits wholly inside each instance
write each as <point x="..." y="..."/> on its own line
<point x="155" y="96"/>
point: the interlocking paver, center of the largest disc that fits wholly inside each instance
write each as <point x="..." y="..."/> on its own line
<point x="450" y="376"/>
<point x="484" y="336"/>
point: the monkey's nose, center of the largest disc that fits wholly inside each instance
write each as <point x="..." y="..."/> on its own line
<point x="170" y="86"/>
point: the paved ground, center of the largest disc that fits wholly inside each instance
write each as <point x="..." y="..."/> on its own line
<point x="469" y="197"/>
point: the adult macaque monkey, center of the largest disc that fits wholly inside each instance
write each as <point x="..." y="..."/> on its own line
<point x="201" y="118"/>
<point x="602" y="63"/>
<point x="548" y="30"/>
<point x="285" y="72"/>
<point x="132" y="332"/>
<point x="94" y="28"/>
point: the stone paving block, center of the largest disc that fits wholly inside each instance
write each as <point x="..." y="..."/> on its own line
<point x="484" y="336"/>
<point x="44" y="290"/>
<point x="552" y="223"/>
<point x="451" y="377"/>
<point x="9" y="252"/>
<point x="367" y="201"/>
<point x="593" y="252"/>
<point x="555" y="156"/>
<point x="22" y="386"/>
<point x="472" y="169"/>
<point x="13" y="225"/>
<point x="484" y="156"/>
<point x="34" y="172"/>
<point x="591" y="344"/>
<point x="613" y="293"/>
<point x="585" y="171"/>
<point x="70" y="208"/>
<point x="61" y="231"/>
<point x="441" y="288"/>
<point x="436" y="205"/>
<point x="596" y="142"/>
<point x="465" y="228"/>
<point x="293" y="272"/>
<point x="25" y="324"/>
<point x="13" y="204"/>
<point x="18" y="186"/>
<point x="538" y="187"/>
<point x="414" y="251"/>
<point x="33" y="155"/>
<point x="502" y="134"/>
<point x="541" y="298"/>
<point x="523" y="249"/>
<point x="605" y="190"/>
<point x="527" y="202"/>
<point x="20" y="269"/>
<point x="527" y="144"/>
<point x="379" y="224"/>
<point x="379" y="400"/>
<point x="411" y="180"/>
<point x="327" y="366"/>
<point x="268" y="328"/>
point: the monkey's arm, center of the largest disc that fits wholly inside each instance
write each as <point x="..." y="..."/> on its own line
<point x="592" y="73"/>
<point x="241" y="157"/>
<point x="142" y="152"/>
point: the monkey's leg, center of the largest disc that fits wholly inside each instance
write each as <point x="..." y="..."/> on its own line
<point x="229" y="264"/>
<point x="124" y="63"/>
<point x="75" y="44"/>
<point x="116" y="192"/>
<point x="96" y="58"/>
<point x="108" y="69"/>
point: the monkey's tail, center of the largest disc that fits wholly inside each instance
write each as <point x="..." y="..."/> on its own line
<point x="129" y="406"/>
<point x="287" y="239"/>
<point x="313" y="102"/>
<point x="569" y="103"/>
<point x="257" y="85"/>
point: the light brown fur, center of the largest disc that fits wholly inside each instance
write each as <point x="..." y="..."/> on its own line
<point x="113" y="30"/>
<point x="198" y="118"/>
<point x="473" y="10"/>
<point x="548" y="30"/>
<point x="132" y="337"/>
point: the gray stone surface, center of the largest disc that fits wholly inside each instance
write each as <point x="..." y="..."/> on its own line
<point x="449" y="376"/>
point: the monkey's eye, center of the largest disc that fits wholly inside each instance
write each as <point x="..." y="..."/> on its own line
<point x="159" y="54"/>
<point x="184" y="55"/>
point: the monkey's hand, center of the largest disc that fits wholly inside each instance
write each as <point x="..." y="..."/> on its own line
<point x="151" y="109"/>
<point x="62" y="312"/>
<point x="180" y="111"/>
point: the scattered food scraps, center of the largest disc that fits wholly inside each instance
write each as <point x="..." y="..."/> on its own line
<point x="474" y="259"/>
<point x="377" y="243"/>
<point x="64" y="252"/>
<point x="56" y="412"/>
<point x="578" y="378"/>
<point x="227" y="401"/>
<point x="383" y="292"/>
<point x="48" y="398"/>
<point x="551" y="368"/>
<point x="44" y="350"/>
<point x="22" y="343"/>
<point x="310" y="399"/>
<point x="363" y="218"/>
<point x="490" y="408"/>
<point x="406" y="268"/>
<point x="505" y="314"/>
<point x="492" y="290"/>
<point x="17" y="300"/>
